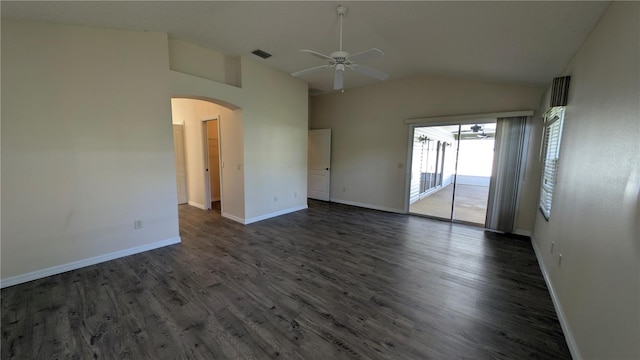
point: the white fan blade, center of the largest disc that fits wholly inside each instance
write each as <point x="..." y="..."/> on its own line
<point x="317" y="54"/>
<point x="338" y="79"/>
<point x="310" y="70"/>
<point x="367" y="54"/>
<point x="365" y="70"/>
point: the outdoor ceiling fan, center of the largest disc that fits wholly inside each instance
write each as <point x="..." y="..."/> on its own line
<point x="476" y="129"/>
<point x="342" y="60"/>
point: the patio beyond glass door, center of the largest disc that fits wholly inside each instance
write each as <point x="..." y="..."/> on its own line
<point x="450" y="171"/>
<point x="432" y="156"/>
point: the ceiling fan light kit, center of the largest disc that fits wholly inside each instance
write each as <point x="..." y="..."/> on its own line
<point x="341" y="60"/>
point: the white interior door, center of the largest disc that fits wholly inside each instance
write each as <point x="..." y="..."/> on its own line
<point x="319" y="177"/>
<point x="181" y="171"/>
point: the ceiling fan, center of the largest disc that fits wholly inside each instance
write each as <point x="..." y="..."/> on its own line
<point x="342" y="60"/>
<point x="476" y="129"/>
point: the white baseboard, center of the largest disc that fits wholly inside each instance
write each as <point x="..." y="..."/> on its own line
<point x="58" y="269"/>
<point x="198" y="205"/>
<point x="262" y="217"/>
<point x="233" y="217"/>
<point x="568" y="334"/>
<point x="368" y="206"/>
<point x="274" y="214"/>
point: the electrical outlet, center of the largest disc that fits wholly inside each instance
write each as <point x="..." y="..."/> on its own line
<point x="400" y="166"/>
<point x="137" y="224"/>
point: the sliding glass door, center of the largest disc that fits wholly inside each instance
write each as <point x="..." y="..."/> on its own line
<point x="432" y="171"/>
<point x="451" y="171"/>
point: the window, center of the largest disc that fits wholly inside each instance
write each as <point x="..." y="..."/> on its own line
<point x="550" y="152"/>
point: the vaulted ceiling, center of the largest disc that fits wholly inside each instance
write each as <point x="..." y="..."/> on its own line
<point x="499" y="41"/>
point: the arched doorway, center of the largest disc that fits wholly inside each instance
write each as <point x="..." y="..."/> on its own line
<point x="208" y="124"/>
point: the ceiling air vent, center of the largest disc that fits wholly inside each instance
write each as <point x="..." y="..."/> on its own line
<point x="261" y="53"/>
<point x="313" y="91"/>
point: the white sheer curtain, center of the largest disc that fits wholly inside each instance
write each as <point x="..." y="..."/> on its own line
<point x="508" y="161"/>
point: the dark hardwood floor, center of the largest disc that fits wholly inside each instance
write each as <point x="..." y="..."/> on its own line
<point x="330" y="282"/>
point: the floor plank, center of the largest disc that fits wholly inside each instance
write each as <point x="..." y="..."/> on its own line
<point x="330" y="282"/>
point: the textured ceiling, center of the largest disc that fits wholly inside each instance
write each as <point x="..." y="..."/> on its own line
<point x="515" y="42"/>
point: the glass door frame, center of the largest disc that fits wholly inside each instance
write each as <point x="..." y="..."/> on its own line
<point x="439" y="167"/>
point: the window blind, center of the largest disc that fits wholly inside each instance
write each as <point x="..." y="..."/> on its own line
<point x="550" y="156"/>
<point x="511" y="140"/>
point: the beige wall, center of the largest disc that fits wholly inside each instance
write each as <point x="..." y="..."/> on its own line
<point x="266" y="173"/>
<point x="87" y="141"/>
<point x="204" y="63"/>
<point x="86" y="146"/>
<point x="369" y="145"/>
<point x="595" y="216"/>
<point x="275" y="135"/>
